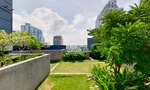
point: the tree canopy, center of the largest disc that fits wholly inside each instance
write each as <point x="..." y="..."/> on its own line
<point x="34" y="43"/>
<point x="20" y="38"/>
<point x="4" y="39"/>
<point x="123" y="34"/>
<point x="23" y="40"/>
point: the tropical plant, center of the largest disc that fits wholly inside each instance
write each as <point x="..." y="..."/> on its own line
<point x="107" y="78"/>
<point x="124" y="37"/>
<point x="123" y="32"/>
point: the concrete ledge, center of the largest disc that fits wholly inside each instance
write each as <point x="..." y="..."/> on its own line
<point x="25" y="75"/>
<point x="54" y="54"/>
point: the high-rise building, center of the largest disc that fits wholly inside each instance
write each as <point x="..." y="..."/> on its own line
<point x="33" y="30"/>
<point x="6" y="15"/>
<point x="57" y="40"/>
<point x="6" y="11"/>
<point x="111" y="5"/>
<point x="90" y="41"/>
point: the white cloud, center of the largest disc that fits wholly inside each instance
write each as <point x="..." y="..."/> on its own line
<point x="52" y="24"/>
<point x="78" y="19"/>
<point x="91" y="22"/>
<point x="17" y="21"/>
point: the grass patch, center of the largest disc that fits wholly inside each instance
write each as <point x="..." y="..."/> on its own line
<point x="76" y="67"/>
<point x="46" y="85"/>
<point x="53" y="63"/>
<point x="66" y="82"/>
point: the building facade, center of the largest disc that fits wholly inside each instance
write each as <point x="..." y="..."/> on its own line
<point x="34" y="31"/>
<point x="6" y="15"/>
<point x="90" y="41"/>
<point x="111" y="5"/>
<point x="57" y="40"/>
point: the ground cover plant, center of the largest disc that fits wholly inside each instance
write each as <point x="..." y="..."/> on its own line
<point x="108" y="78"/>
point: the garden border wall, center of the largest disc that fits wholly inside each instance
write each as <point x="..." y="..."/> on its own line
<point x="54" y="54"/>
<point x="25" y="75"/>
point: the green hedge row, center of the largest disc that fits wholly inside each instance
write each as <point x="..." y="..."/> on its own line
<point x="74" y="56"/>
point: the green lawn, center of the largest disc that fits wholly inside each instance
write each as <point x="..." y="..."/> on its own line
<point x="53" y="63"/>
<point x="66" y="82"/>
<point x="76" y="67"/>
<point x="69" y="82"/>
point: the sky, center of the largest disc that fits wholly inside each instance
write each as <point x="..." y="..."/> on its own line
<point x="69" y="18"/>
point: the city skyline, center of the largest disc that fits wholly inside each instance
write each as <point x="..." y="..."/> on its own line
<point x="49" y="15"/>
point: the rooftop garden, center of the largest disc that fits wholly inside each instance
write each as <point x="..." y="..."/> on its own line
<point x="124" y="38"/>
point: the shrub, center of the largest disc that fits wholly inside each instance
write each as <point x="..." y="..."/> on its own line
<point x="14" y="58"/>
<point x="95" y="52"/>
<point x="31" y="56"/>
<point x="107" y="78"/>
<point x="74" y="56"/>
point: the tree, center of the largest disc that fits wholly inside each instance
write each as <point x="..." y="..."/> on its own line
<point x="34" y="43"/>
<point x="124" y="33"/>
<point x="94" y="52"/>
<point x="23" y="40"/>
<point x="20" y="39"/>
<point x="4" y="41"/>
<point x="124" y="36"/>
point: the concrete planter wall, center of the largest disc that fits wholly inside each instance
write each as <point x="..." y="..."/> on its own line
<point x="25" y="75"/>
<point x="54" y="54"/>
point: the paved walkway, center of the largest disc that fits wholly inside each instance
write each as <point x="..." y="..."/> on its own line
<point x="71" y="73"/>
<point x="54" y="66"/>
<point x="91" y="58"/>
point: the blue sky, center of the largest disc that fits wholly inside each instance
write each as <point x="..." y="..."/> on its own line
<point x="69" y="18"/>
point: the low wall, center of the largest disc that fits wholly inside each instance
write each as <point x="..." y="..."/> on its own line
<point x="25" y="75"/>
<point x="54" y="54"/>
